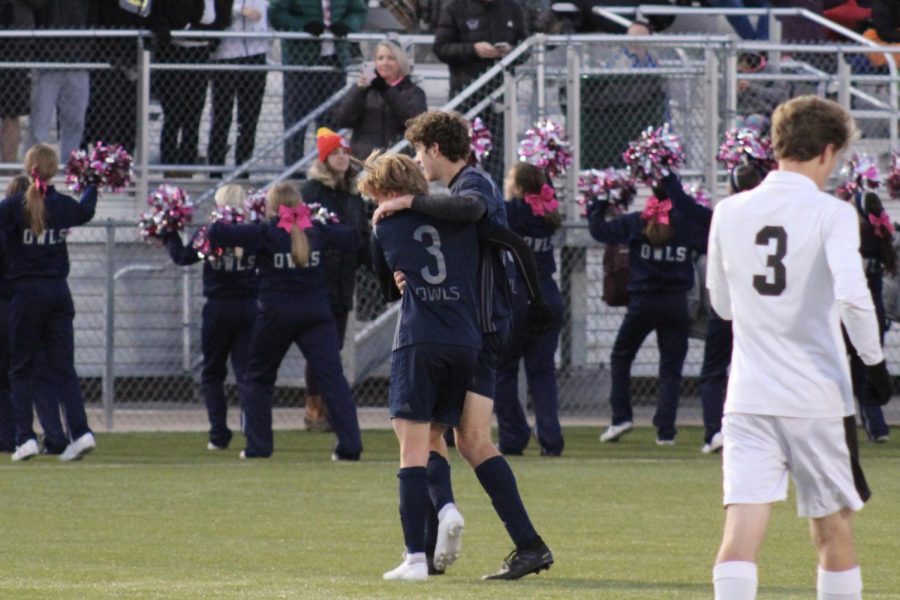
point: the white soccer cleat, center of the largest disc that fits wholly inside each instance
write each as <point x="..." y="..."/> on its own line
<point x="660" y="442"/>
<point x="409" y="570"/>
<point x="242" y="455"/>
<point x="77" y="449"/>
<point x="449" y="539"/>
<point x="213" y="448"/>
<point x="714" y="445"/>
<point x="616" y="431"/>
<point x="27" y="450"/>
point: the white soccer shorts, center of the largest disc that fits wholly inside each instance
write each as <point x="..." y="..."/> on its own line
<point x="820" y="454"/>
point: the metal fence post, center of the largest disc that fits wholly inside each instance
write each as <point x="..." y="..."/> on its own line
<point x="573" y="120"/>
<point x="843" y="73"/>
<point x="143" y="125"/>
<point x="540" y="56"/>
<point x="712" y="118"/>
<point x="186" y="297"/>
<point x="730" y="78"/>
<point x="510" y="120"/>
<point x="109" y="368"/>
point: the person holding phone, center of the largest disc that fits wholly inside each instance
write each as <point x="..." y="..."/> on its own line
<point x="384" y="99"/>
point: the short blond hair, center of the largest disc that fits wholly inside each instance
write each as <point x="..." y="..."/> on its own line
<point x="231" y="195"/>
<point x="804" y="126"/>
<point x="399" y="54"/>
<point x="391" y="175"/>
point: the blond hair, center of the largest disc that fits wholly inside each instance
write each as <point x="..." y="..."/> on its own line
<point x="286" y="194"/>
<point x="41" y="163"/>
<point x="399" y="53"/>
<point x="17" y="185"/>
<point x="803" y="127"/>
<point x="391" y="175"/>
<point x="231" y="195"/>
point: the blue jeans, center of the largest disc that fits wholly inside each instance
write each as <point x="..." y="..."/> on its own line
<point x="741" y="24"/>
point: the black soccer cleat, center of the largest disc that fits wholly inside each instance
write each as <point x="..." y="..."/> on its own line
<point x="432" y="570"/>
<point x="520" y="563"/>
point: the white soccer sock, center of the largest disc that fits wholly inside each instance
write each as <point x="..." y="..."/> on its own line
<point x="445" y="508"/>
<point x="735" y="580"/>
<point x="840" y="585"/>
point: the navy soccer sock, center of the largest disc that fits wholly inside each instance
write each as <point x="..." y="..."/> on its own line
<point x="413" y="506"/>
<point x="498" y="481"/>
<point x="439" y="487"/>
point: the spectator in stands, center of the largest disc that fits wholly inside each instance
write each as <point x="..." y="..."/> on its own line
<point x="182" y="92"/>
<point x="244" y="87"/>
<point x="741" y="24"/>
<point x="331" y="182"/>
<point x="16" y="89"/>
<point x="471" y="36"/>
<point x="304" y="90"/>
<point x="112" y="111"/>
<point x="377" y="109"/>
<point x="756" y="99"/>
<point x="64" y="92"/>
<point x="886" y="20"/>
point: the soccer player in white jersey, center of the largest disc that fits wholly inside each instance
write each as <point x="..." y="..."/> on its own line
<point x="784" y="266"/>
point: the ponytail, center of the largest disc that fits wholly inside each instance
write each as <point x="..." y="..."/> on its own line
<point x="285" y="194"/>
<point x="659" y="229"/>
<point x="872" y="206"/>
<point x="41" y="163"/>
<point x="530" y="180"/>
<point x="658" y="233"/>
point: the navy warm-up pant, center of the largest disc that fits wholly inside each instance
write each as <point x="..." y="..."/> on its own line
<point x="714" y="373"/>
<point x="667" y="314"/>
<point x="46" y="400"/>
<point x="540" y="370"/>
<point x="40" y="321"/>
<point x="227" y="325"/>
<point x="278" y="325"/>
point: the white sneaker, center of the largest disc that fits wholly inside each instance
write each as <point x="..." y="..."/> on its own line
<point x="26" y="450"/>
<point x="616" y="431"/>
<point x="213" y="448"/>
<point x="660" y="442"/>
<point x="409" y="571"/>
<point x="77" y="449"/>
<point x="449" y="539"/>
<point x="242" y="455"/>
<point x="714" y="445"/>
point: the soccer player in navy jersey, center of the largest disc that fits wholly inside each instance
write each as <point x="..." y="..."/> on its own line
<point x="442" y="141"/>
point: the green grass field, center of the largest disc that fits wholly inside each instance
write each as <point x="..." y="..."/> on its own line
<point x="157" y="516"/>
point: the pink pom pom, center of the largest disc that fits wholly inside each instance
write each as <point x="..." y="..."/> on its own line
<point x="699" y="195"/>
<point x="656" y="154"/>
<point x="615" y="186"/>
<point x="255" y="206"/>
<point x="101" y="165"/>
<point x="170" y="210"/>
<point x="482" y="141"/>
<point x="320" y="214"/>
<point x="546" y="146"/>
<point x="860" y="175"/>
<point x="893" y="178"/>
<point x="220" y="214"/>
<point x="746" y="145"/>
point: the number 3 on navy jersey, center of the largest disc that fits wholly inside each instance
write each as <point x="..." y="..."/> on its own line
<point x="774" y="262"/>
<point x="434" y="249"/>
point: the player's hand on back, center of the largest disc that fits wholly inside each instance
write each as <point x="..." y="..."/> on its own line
<point x="400" y="281"/>
<point x="879" y="386"/>
<point x="389" y="207"/>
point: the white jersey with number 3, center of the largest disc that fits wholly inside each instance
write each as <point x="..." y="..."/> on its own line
<point x="784" y="265"/>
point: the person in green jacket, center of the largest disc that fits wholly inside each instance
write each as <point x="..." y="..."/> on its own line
<point x="305" y="90"/>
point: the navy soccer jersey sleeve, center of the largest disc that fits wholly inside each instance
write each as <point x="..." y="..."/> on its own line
<point x="439" y="261"/>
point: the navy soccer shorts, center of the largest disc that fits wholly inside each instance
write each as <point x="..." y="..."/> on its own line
<point x="429" y="382"/>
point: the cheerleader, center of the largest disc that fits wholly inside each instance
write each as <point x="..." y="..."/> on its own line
<point x="531" y="210"/>
<point x="660" y="243"/>
<point x="46" y="402"/>
<point x="36" y="224"/>
<point x="293" y="308"/>
<point x="229" y="285"/>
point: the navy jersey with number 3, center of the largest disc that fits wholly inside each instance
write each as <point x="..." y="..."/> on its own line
<point x="440" y="261"/>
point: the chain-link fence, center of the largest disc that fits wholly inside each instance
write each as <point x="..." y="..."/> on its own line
<point x="138" y="315"/>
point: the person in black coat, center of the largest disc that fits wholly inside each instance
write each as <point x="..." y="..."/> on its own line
<point x="377" y="109"/>
<point x="886" y="20"/>
<point x="471" y="36"/>
<point x="331" y="182"/>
